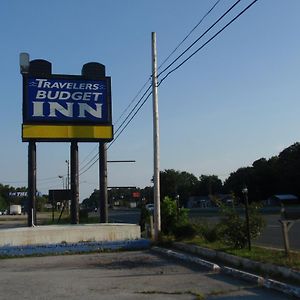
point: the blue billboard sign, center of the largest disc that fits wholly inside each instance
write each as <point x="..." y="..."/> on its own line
<point x="68" y="100"/>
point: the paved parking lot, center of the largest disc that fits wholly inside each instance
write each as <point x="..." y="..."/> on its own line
<point x="120" y="275"/>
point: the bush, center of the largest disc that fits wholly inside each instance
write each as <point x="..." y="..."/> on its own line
<point x="172" y="216"/>
<point x="83" y="215"/>
<point x="185" y="231"/>
<point x="233" y="227"/>
<point x="209" y="232"/>
<point x="144" y="217"/>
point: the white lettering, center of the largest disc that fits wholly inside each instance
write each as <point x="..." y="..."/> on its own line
<point x="62" y="85"/>
<point x="47" y="84"/>
<point x="40" y="82"/>
<point x="97" y="96"/>
<point x="64" y="95"/>
<point x="86" y="96"/>
<point x="55" y="85"/>
<point x="96" y="86"/>
<point x="77" y="96"/>
<point x="52" y="95"/>
<point x="40" y="94"/>
<point x="83" y="108"/>
<point x="56" y="107"/>
<point x="38" y="109"/>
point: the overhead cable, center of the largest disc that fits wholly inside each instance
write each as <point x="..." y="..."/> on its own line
<point x="208" y="41"/>
<point x="188" y="35"/>
<point x="198" y="39"/>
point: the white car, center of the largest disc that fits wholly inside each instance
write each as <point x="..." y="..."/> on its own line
<point x="150" y="207"/>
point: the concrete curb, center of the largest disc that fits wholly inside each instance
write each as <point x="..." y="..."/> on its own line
<point x="239" y="261"/>
<point x="282" y="287"/>
<point x="189" y="258"/>
<point x="72" y="248"/>
<point x="259" y="280"/>
<point x="243" y="275"/>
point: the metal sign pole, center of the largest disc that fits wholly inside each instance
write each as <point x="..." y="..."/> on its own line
<point x="74" y="184"/>
<point x="103" y="205"/>
<point x="31" y="219"/>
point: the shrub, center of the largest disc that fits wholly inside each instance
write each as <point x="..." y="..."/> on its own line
<point x="185" y="231"/>
<point x="144" y="217"/>
<point x="83" y="215"/>
<point x="209" y="232"/>
<point x="233" y="227"/>
<point x="172" y="216"/>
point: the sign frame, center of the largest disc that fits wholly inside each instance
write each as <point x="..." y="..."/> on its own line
<point x="57" y="130"/>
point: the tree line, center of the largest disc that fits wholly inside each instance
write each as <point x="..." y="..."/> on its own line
<point x="266" y="177"/>
<point x="279" y="174"/>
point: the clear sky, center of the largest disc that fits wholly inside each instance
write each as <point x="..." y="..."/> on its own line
<point x="235" y="101"/>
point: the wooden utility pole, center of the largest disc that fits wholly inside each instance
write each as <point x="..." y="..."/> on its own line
<point x="157" y="222"/>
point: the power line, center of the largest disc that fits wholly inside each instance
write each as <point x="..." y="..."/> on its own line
<point x="174" y="69"/>
<point x="136" y="96"/>
<point x="145" y="84"/>
<point x="208" y="41"/>
<point x="86" y="158"/>
<point x="130" y="120"/>
<point x="92" y="160"/>
<point x="89" y="166"/>
<point x="188" y="35"/>
<point x="120" y="132"/>
<point x="96" y="155"/>
<point x="119" y="128"/>
<point x="132" y="110"/>
<point x="200" y="37"/>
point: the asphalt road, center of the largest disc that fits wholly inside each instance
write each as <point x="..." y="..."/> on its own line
<point x="122" y="276"/>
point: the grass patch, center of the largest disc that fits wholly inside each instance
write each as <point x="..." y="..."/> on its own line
<point x="259" y="254"/>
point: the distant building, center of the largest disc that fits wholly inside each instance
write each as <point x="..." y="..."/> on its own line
<point x="209" y="201"/>
<point x="276" y="200"/>
<point x="199" y="202"/>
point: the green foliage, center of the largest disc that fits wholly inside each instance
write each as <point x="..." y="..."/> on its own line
<point x="209" y="185"/>
<point x="185" y="231"/>
<point x="40" y="202"/>
<point x="233" y="227"/>
<point x="277" y="175"/>
<point x="172" y="216"/>
<point x="176" y="183"/>
<point x="144" y="217"/>
<point x="83" y="215"/>
<point x="174" y="220"/>
<point x="209" y="232"/>
<point x="93" y="201"/>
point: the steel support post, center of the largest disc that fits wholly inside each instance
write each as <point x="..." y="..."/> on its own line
<point x="74" y="184"/>
<point x="31" y="210"/>
<point x="103" y="200"/>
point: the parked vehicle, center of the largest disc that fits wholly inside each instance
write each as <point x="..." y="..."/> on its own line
<point x="150" y="207"/>
<point x="15" y="209"/>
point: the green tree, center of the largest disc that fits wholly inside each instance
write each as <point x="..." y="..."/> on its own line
<point x="177" y="184"/>
<point x="209" y="185"/>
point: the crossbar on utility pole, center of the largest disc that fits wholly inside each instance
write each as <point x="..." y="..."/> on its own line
<point x="157" y="222"/>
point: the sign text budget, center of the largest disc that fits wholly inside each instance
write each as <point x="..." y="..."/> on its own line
<point x="68" y="100"/>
